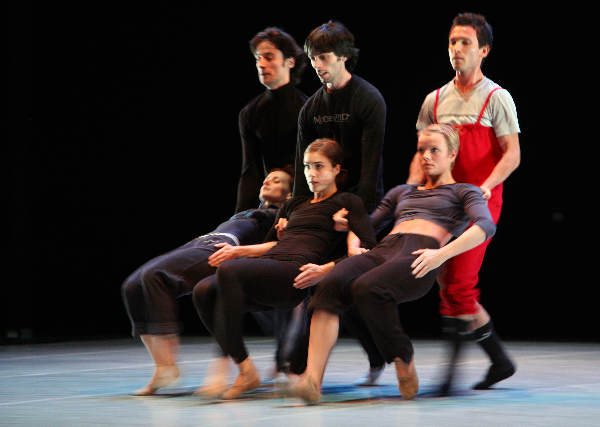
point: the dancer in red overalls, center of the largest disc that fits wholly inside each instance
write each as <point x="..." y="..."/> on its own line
<point x="486" y="116"/>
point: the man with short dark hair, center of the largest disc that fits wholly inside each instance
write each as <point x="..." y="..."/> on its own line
<point x="489" y="152"/>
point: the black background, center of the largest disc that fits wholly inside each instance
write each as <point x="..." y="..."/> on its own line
<point x="123" y="144"/>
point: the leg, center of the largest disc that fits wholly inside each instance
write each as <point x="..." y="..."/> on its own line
<point x="502" y="366"/>
<point x="150" y="296"/>
<point x="133" y="299"/>
<point x="332" y="297"/>
<point x="168" y="278"/>
<point x="243" y="284"/>
<point x="163" y="350"/>
<point x="324" y="330"/>
<point x="294" y="346"/>
<point x="377" y="294"/>
<point x="353" y="322"/>
<point x="458" y="280"/>
<point x="204" y="298"/>
<point x="380" y="312"/>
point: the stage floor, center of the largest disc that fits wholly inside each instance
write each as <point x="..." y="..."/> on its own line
<point x="87" y="383"/>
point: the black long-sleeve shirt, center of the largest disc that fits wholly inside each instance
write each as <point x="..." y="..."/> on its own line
<point x="310" y="237"/>
<point x="355" y="117"/>
<point x="268" y="128"/>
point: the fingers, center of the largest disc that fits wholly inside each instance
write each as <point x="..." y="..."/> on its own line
<point x="340" y="221"/>
<point x="420" y="268"/>
<point x="307" y="266"/>
<point x="310" y="273"/>
<point x="303" y="280"/>
<point x="215" y="259"/>
<point x="487" y="193"/>
<point x="419" y="258"/>
<point x="221" y="255"/>
<point x="420" y="265"/>
<point x="357" y="251"/>
<point x="341" y="213"/>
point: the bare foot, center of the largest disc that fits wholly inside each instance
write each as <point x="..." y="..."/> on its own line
<point x="248" y="379"/>
<point x="408" y="381"/>
<point x="307" y="389"/>
<point x="164" y="376"/>
<point x="215" y="382"/>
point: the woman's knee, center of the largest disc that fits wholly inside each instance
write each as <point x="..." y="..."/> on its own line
<point x="131" y="288"/>
<point x="363" y="292"/>
<point x="228" y="271"/>
<point x="204" y="291"/>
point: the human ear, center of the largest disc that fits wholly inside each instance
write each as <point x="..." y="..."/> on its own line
<point x="485" y="51"/>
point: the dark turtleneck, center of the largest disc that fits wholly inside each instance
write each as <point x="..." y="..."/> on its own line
<point x="268" y="127"/>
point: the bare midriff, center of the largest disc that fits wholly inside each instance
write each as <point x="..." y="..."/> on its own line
<point x="424" y="228"/>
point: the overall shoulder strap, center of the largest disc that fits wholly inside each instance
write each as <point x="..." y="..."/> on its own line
<point x="486" y="103"/>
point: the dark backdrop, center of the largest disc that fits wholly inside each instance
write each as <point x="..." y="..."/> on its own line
<point x="125" y="145"/>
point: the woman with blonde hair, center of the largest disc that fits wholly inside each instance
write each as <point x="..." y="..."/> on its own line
<point x="403" y="266"/>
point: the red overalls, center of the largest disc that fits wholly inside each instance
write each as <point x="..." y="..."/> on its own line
<point x="478" y="155"/>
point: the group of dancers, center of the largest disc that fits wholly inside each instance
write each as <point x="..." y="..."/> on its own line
<point x="324" y="246"/>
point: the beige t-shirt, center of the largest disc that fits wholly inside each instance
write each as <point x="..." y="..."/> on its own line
<point x="455" y="108"/>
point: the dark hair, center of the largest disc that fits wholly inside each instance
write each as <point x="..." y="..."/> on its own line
<point x="288" y="47"/>
<point x="329" y="148"/>
<point x="485" y="36"/>
<point x="286" y="169"/>
<point x="333" y="37"/>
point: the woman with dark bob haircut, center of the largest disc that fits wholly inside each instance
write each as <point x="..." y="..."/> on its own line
<point x="262" y="277"/>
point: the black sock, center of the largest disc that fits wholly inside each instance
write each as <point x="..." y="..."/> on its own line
<point x="454" y="330"/>
<point x="502" y="367"/>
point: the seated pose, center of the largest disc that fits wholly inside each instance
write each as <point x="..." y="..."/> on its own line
<point x="261" y="277"/>
<point x="150" y="293"/>
<point x="402" y="267"/>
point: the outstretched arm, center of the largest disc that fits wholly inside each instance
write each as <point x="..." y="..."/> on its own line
<point x="430" y="259"/>
<point x="227" y="252"/>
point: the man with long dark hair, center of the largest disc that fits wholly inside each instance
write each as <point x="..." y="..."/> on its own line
<point x="347" y="109"/>
<point x="351" y="111"/>
<point x="268" y="123"/>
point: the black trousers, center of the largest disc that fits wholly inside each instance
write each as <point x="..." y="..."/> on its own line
<point x="376" y="282"/>
<point x="288" y="326"/>
<point x="244" y="285"/>
<point x="150" y="292"/>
